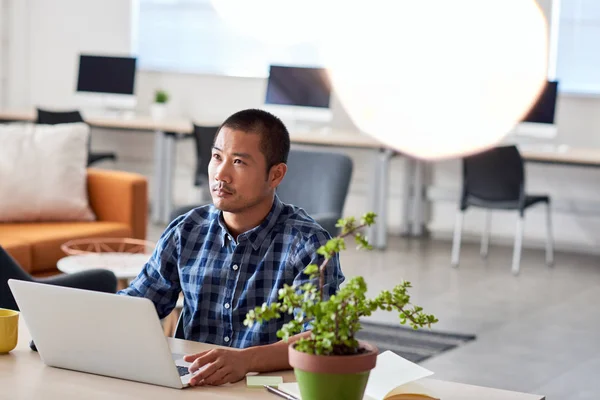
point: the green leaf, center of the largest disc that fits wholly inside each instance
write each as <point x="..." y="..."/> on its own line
<point x="369" y="218"/>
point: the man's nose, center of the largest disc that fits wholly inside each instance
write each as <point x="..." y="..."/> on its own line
<point x="222" y="173"/>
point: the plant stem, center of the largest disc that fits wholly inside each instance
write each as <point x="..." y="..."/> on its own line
<point x="409" y="316"/>
<point x="322" y="277"/>
<point x="324" y="263"/>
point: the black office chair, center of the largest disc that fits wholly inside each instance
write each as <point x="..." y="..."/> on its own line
<point x="65" y="117"/>
<point x="316" y="181"/>
<point x="179" y="329"/>
<point x="99" y="280"/>
<point x="204" y="137"/>
<point x="495" y="179"/>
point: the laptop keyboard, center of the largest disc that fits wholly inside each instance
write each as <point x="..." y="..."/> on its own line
<point x="183" y="371"/>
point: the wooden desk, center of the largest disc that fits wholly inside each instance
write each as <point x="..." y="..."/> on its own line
<point x="568" y="156"/>
<point x="24" y="376"/>
<point x="136" y="123"/>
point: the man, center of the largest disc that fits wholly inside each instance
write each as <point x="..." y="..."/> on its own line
<point x="232" y="256"/>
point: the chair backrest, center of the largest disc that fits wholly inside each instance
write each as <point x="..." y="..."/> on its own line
<point x="316" y="181"/>
<point x="58" y="117"/>
<point x="179" y="329"/>
<point x="204" y="137"/>
<point x="9" y="269"/>
<point x="494" y="175"/>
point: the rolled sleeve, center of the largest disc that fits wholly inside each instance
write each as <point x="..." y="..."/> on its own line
<point x="159" y="279"/>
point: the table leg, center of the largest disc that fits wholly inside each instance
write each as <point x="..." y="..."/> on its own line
<point x="158" y="184"/>
<point x="122" y="284"/>
<point x="170" y="322"/>
<point x="382" y="220"/>
<point x="373" y="204"/>
<point x="417" y="226"/>
<point x="409" y="173"/>
<point x="379" y="199"/>
<point x="169" y="172"/>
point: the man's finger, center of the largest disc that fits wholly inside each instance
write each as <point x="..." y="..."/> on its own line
<point x="192" y="357"/>
<point x="217" y="377"/>
<point x="205" y="373"/>
<point x="204" y="359"/>
<point x="208" y="371"/>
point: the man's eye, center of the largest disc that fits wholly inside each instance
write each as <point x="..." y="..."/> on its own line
<point x="216" y="157"/>
<point x="238" y="161"/>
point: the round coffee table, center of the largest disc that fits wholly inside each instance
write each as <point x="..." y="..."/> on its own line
<point x="124" y="257"/>
<point x="125" y="266"/>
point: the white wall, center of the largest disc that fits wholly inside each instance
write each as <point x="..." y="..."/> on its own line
<point x="3" y="48"/>
<point x="47" y="35"/>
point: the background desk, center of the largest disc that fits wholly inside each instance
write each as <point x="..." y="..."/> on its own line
<point x="24" y="376"/>
<point x="539" y="153"/>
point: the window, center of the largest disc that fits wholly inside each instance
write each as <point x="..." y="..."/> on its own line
<point x="189" y="36"/>
<point x="577" y="55"/>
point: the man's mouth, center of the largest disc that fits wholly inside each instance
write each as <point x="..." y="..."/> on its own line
<point x="221" y="191"/>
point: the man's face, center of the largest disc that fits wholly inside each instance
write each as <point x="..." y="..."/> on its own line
<point x="238" y="171"/>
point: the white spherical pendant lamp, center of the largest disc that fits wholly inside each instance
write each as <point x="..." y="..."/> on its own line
<point x="438" y="78"/>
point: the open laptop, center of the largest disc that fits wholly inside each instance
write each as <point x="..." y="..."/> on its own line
<point x="99" y="333"/>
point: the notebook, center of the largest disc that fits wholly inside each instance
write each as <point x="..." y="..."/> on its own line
<point x="393" y="378"/>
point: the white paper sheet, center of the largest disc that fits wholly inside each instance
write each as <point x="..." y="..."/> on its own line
<point x="390" y="372"/>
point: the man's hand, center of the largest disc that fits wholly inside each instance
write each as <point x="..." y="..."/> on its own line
<point x="222" y="366"/>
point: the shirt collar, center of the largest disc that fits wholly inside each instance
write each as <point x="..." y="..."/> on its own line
<point x="257" y="235"/>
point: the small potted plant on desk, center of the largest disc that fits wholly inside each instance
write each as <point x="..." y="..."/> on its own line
<point x="331" y="363"/>
<point x="158" y="110"/>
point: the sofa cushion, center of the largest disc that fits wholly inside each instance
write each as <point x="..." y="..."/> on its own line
<point x="18" y="249"/>
<point x="43" y="173"/>
<point x="45" y="238"/>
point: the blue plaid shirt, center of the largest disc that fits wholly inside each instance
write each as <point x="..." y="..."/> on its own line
<point x="222" y="280"/>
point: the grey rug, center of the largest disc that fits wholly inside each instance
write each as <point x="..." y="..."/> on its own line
<point x="415" y="346"/>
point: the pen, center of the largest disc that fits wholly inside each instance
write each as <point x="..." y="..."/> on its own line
<point x="280" y="393"/>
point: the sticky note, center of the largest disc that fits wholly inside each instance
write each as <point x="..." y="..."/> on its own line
<point x="260" y="381"/>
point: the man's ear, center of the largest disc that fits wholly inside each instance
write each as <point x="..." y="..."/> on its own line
<point x="276" y="174"/>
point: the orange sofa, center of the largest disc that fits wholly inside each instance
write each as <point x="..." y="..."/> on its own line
<point x="120" y="202"/>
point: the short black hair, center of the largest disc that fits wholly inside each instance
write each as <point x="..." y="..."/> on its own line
<point x="275" y="138"/>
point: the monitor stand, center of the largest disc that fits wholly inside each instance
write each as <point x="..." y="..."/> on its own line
<point x="302" y="119"/>
<point x="535" y="130"/>
<point x="101" y="105"/>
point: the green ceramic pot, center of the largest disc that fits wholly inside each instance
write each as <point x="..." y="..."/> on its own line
<point x="333" y="377"/>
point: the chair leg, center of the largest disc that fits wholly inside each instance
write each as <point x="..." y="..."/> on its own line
<point x="516" y="262"/>
<point x="457" y="238"/>
<point x="549" y="237"/>
<point x="485" y="237"/>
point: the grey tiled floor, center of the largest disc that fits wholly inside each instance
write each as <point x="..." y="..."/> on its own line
<point x="538" y="332"/>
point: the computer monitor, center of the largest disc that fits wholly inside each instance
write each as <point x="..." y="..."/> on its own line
<point x="300" y="96"/>
<point x="539" y="121"/>
<point x="106" y="82"/>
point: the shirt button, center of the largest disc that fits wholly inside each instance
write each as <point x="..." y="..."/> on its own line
<point x="235" y="267"/>
<point x="227" y="305"/>
<point x="226" y="339"/>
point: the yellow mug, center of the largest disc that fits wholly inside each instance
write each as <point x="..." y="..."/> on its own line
<point x="9" y="330"/>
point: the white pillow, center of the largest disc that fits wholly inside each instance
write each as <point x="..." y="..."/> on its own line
<point x="43" y="173"/>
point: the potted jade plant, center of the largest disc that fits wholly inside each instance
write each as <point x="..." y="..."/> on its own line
<point x="331" y="363"/>
<point x="158" y="110"/>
